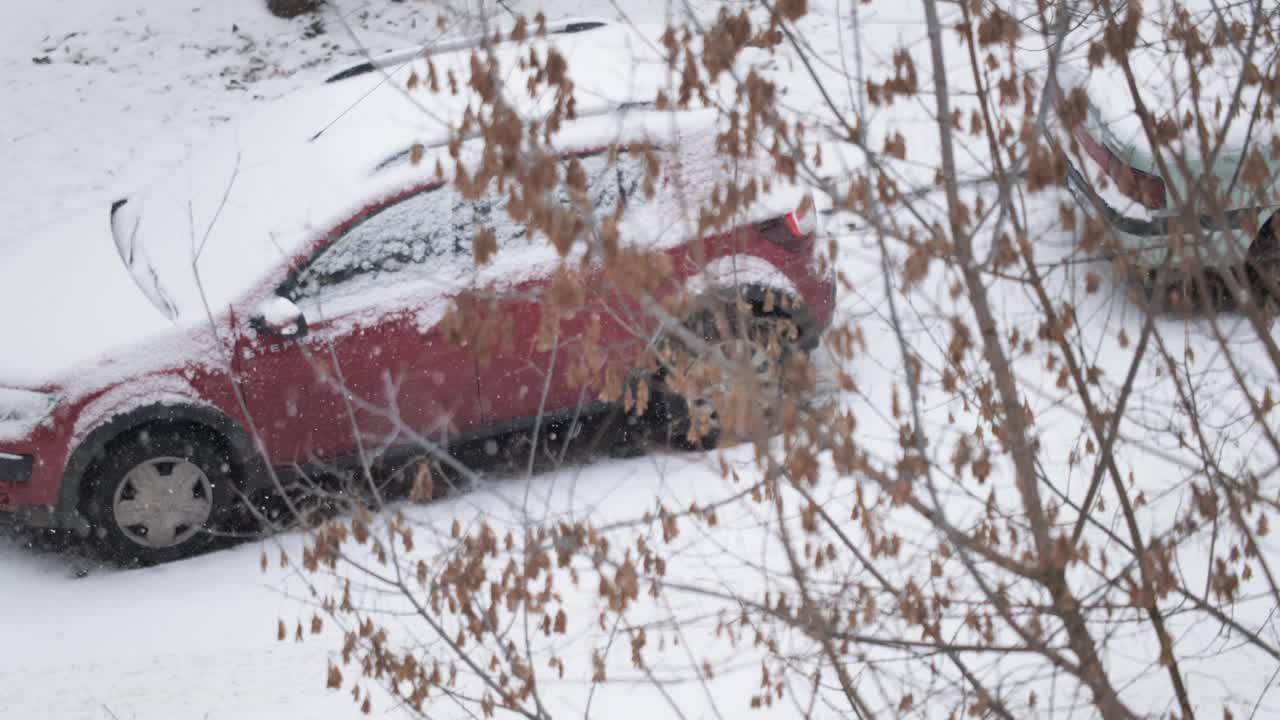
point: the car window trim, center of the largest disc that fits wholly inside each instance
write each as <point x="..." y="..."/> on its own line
<point x="289" y="285"/>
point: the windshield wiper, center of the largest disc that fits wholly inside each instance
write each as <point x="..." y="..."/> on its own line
<point x="146" y="277"/>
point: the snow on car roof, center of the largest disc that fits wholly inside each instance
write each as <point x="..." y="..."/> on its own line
<point x="258" y="194"/>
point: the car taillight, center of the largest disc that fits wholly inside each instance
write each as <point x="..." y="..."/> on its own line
<point x="1143" y="187"/>
<point x="803" y="221"/>
<point x="796" y="229"/>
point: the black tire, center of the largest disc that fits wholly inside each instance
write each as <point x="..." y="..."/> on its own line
<point x="1262" y="262"/>
<point x="1171" y="290"/>
<point x="673" y="420"/>
<point x="147" y="474"/>
<point x="292" y="8"/>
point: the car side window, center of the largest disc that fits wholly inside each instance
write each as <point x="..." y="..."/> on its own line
<point x="398" y="237"/>
<point x="431" y="232"/>
<point x="489" y="211"/>
<point x="607" y="183"/>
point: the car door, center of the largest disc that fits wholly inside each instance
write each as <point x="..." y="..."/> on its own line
<point x="375" y="367"/>
<point x="545" y="366"/>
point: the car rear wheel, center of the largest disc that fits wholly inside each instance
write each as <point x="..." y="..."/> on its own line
<point x="1178" y="291"/>
<point x="1263" y="261"/>
<point x="731" y="387"/>
<point x="158" y="493"/>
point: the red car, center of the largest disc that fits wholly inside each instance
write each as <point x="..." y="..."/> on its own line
<point x="306" y="291"/>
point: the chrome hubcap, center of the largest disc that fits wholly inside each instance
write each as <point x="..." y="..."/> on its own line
<point x="163" y="502"/>
<point x="746" y="374"/>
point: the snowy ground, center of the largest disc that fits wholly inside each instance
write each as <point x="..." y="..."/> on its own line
<point x="102" y="96"/>
<point x="197" y="639"/>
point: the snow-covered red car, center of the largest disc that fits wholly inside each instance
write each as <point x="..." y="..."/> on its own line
<point x="305" y="290"/>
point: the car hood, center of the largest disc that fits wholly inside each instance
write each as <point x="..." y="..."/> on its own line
<point x="66" y="302"/>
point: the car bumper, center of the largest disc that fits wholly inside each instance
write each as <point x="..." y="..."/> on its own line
<point x="29" y="483"/>
<point x="809" y="326"/>
<point x="1225" y="236"/>
<point x="16" y="469"/>
<point x="813" y="316"/>
<point x="34" y="516"/>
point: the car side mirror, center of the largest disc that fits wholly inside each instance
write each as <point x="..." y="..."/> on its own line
<point x="279" y="316"/>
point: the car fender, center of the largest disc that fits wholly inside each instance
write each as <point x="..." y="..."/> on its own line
<point x="755" y="280"/>
<point x="126" y="398"/>
<point x="738" y="271"/>
<point x="124" y="409"/>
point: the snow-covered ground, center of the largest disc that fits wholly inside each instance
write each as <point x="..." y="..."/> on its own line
<point x="101" y="97"/>
<point x="197" y="638"/>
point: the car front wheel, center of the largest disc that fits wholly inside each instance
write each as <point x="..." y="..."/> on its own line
<point x="158" y="493"/>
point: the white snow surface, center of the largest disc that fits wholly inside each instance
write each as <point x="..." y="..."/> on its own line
<point x="258" y="196"/>
<point x="197" y="638"/>
<point x="100" y="99"/>
<point x="739" y="269"/>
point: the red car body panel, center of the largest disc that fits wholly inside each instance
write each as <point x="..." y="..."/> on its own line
<point x="322" y="399"/>
<point x="53" y="442"/>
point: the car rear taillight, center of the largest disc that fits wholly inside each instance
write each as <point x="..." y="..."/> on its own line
<point x="796" y="229"/>
<point x="803" y="221"/>
<point x="1142" y="187"/>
